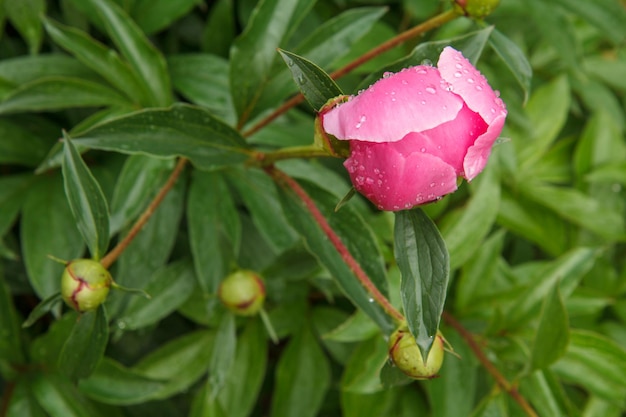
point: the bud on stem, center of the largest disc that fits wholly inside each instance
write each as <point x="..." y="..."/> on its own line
<point x="85" y="284"/>
<point x="242" y="292"/>
<point x="405" y="354"/>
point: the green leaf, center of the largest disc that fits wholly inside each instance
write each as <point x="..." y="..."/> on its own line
<point x="25" y="69"/>
<point x="13" y="192"/>
<point x="23" y="403"/>
<point x="168" y="289"/>
<point x="556" y="29"/>
<point x="203" y="80"/>
<point x="56" y="93"/>
<point x="179" y="362"/>
<point x="362" y="372"/>
<point x="514" y="59"/>
<point x="316" y="86"/>
<point x="607" y="15"/>
<point x="147" y="62"/>
<point x="302" y="378"/>
<point x="86" y="200"/>
<point x="552" y="335"/>
<point x="42" y="309"/>
<point x="113" y="383"/>
<point x="181" y="130"/>
<point x="244" y="380"/>
<point x="358" y="327"/>
<point x="223" y="354"/>
<point x="139" y="180"/>
<point x="11" y="349"/>
<point x="25" y="15"/>
<point x="466" y="234"/>
<point x="425" y="265"/>
<point x="60" y="398"/>
<point x="47" y="227"/>
<point x="84" y="349"/>
<point x="546" y="391"/>
<point x="214" y="228"/>
<point x="15" y="134"/>
<point x="154" y="15"/>
<point x="254" y="51"/>
<point x="220" y="28"/>
<point x="102" y="60"/>
<point x="350" y="224"/>
<point x="596" y="363"/>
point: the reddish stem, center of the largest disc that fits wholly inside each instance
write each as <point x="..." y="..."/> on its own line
<point x="112" y="256"/>
<point x="490" y="367"/>
<point x="430" y="24"/>
<point x="319" y="218"/>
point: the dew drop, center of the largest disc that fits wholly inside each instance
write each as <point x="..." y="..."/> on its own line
<point x="427" y="63"/>
<point x="360" y="180"/>
<point x="361" y="121"/>
<point x="493" y="110"/>
<point x="423" y="150"/>
<point x="479" y="88"/>
<point x="420" y="70"/>
<point x="458" y="65"/>
<point x="396" y="207"/>
<point x="470" y="80"/>
<point x="371" y="300"/>
<point x="423" y="102"/>
<point x="497" y="93"/>
<point x="431" y="89"/>
<point x="387" y="74"/>
<point x="405" y="82"/>
<point x="458" y="74"/>
<point x="369" y="180"/>
<point x="432" y="184"/>
<point x="379" y="182"/>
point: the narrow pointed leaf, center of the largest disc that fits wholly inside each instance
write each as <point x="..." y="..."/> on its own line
<point x="552" y="335"/>
<point x="85" y="346"/>
<point x="316" y="86"/>
<point x="86" y="200"/>
<point x="223" y="354"/>
<point x="424" y="262"/>
<point x="514" y="59"/>
<point x="42" y="309"/>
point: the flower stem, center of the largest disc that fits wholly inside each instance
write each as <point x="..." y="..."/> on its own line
<point x="430" y="24"/>
<point x="284" y="179"/>
<point x="264" y="159"/>
<point x="490" y="367"/>
<point x="112" y="256"/>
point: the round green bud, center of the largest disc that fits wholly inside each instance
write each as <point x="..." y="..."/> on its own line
<point x="242" y="292"/>
<point x="477" y="9"/>
<point x="405" y="354"/>
<point x="85" y="284"/>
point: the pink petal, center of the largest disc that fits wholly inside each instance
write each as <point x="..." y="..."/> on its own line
<point x="412" y="100"/>
<point x="478" y="154"/>
<point x="470" y="84"/>
<point x="393" y="181"/>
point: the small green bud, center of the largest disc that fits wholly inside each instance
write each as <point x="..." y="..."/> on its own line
<point x="477" y="9"/>
<point x="85" y="284"/>
<point x="242" y="292"/>
<point x="405" y="354"/>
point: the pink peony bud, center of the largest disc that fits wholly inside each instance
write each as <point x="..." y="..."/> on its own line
<point x="414" y="132"/>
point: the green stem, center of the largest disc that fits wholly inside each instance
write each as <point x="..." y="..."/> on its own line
<point x="420" y="29"/>
<point x="264" y="159"/>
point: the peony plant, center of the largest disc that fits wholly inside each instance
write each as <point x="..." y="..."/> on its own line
<point x="413" y="133"/>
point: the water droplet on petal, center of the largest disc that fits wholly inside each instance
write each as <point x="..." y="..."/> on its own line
<point x="420" y="70"/>
<point x="458" y="65"/>
<point x="423" y="102"/>
<point x="470" y="80"/>
<point x="427" y="63"/>
<point x="405" y="82"/>
<point x="458" y="74"/>
<point x="432" y="184"/>
<point x="479" y="88"/>
<point x="497" y="93"/>
<point x="387" y="74"/>
<point x="369" y="180"/>
<point x="361" y="121"/>
<point x="431" y="89"/>
<point x="423" y="150"/>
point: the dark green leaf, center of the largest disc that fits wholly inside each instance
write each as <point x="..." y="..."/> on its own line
<point x="168" y="289"/>
<point x="203" y="80"/>
<point x="42" y="309"/>
<point x="552" y="335"/>
<point x="154" y="15"/>
<point x="60" y="398"/>
<point x="113" y="383"/>
<point x="220" y="28"/>
<point x="23" y="402"/>
<point x="13" y="191"/>
<point x="84" y="349"/>
<point x="245" y="377"/>
<point x="607" y="15"/>
<point x="253" y="53"/>
<point x="99" y="58"/>
<point x="199" y="136"/>
<point x="425" y="265"/>
<point x="22" y="70"/>
<point x="55" y="93"/>
<point x="214" y="228"/>
<point x="547" y="393"/>
<point x="147" y="62"/>
<point x="15" y="135"/>
<point x="205" y="405"/>
<point x="25" y="15"/>
<point x="302" y="378"/>
<point x="223" y="354"/>
<point x="86" y="201"/>
<point x="48" y="228"/>
<point x="180" y="362"/>
<point x="316" y="86"/>
<point x="465" y="235"/>
<point x="348" y="223"/>
<point x="11" y="350"/>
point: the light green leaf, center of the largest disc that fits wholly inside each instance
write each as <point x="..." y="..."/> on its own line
<point x="423" y="259"/>
<point x="552" y="335"/>
<point x="86" y="201"/>
<point x="180" y="130"/>
<point x="154" y="15"/>
<point x="84" y="349"/>
<point x="56" y="93"/>
<point x="362" y="372"/>
<point x="25" y="15"/>
<point x="223" y="353"/>
<point x="609" y="16"/>
<point x="302" y="378"/>
<point x="514" y="59"/>
<point x="147" y="62"/>
<point x="60" y="398"/>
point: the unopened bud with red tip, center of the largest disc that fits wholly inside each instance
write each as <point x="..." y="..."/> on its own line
<point x="85" y="284"/>
<point x="242" y="292"/>
<point x="405" y="354"/>
<point x="477" y="9"/>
